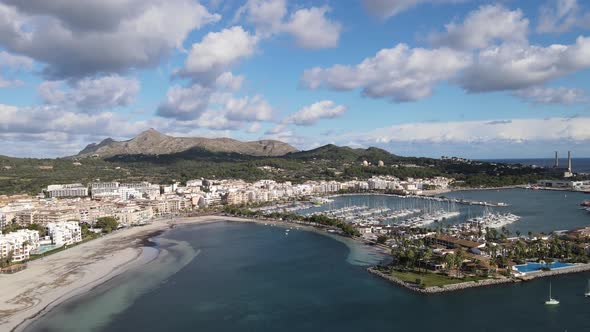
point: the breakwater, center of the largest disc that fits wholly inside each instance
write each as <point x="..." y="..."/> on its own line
<point x="481" y="283"/>
<point x="441" y="289"/>
<point x="563" y="270"/>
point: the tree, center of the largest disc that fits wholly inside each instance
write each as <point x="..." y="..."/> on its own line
<point x="450" y="262"/>
<point x="108" y="224"/>
<point x="381" y="239"/>
<point x="4" y="262"/>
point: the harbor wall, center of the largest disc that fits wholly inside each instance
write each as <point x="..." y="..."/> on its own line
<point x="441" y="289"/>
<point x="481" y="283"/>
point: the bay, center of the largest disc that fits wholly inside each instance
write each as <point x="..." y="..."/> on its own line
<point x="250" y="277"/>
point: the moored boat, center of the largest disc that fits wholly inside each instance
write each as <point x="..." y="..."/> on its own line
<point x="551" y="300"/>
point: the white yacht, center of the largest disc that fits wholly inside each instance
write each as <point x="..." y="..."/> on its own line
<point x="551" y="300"/>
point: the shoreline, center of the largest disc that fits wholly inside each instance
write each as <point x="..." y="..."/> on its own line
<point x="52" y="280"/>
<point x="315" y="228"/>
<point x="55" y="279"/>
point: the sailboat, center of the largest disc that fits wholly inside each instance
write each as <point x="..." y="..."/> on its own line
<point x="551" y="300"/>
<point x="587" y="294"/>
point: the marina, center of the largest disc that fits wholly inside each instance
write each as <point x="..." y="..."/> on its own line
<point x="412" y="211"/>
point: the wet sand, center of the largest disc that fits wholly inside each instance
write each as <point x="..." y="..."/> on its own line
<point x="56" y="278"/>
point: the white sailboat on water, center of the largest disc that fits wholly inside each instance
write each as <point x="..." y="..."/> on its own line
<point x="587" y="294"/>
<point x="551" y="300"/>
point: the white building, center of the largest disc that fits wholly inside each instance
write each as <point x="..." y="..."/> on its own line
<point x="134" y="215"/>
<point x="104" y="189"/>
<point x="66" y="190"/>
<point x="194" y="183"/>
<point x="19" y="244"/>
<point x="64" y="233"/>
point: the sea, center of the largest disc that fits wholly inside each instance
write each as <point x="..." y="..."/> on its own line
<point x="230" y="276"/>
<point x="579" y="165"/>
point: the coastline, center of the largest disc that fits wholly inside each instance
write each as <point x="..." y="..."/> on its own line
<point x="54" y="279"/>
<point x="57" y="278"/>
<point x="50" y="281"/>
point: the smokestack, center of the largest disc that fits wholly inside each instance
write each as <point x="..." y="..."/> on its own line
<point x="556" y="161"/>
<point x="569" y="161"/>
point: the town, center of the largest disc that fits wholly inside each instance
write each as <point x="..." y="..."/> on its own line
<point x="424" y="253"/>
<point x="58" y="216"/>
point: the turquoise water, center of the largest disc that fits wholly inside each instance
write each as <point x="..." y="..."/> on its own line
<point x="45" y="248"/>
<point x="540" y="210"/>
<point x="531" y="266"/>
<point x="247" y="277"/>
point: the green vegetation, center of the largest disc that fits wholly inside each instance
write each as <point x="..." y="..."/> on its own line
<point x="12" y="227"/>
<point x="330" y="162"/>
<point x="6" y="261"/>
<point x="108" y="224"/>
<point x="381" y="239"/>
<point x="429" y="279"/>
<point x="345" y="227"/>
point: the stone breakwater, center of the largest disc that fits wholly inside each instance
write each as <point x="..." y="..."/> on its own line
<point x="481" y="283"/>
<point x="564" y="270"/>
<point x="440" y="289"/>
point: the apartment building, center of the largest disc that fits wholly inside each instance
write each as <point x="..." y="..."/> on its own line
<point x="64" y="233"/>
<point x="66" y="190"/>
<point x="19" y="244"/>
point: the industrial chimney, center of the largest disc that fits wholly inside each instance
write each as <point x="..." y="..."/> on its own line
<point x="556" y="161"/>
<point x="569" y="161"/>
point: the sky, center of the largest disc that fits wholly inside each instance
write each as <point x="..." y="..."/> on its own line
<point x="468" y="78"/>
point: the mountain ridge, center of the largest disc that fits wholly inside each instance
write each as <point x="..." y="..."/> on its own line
<point x="152" y="142"/>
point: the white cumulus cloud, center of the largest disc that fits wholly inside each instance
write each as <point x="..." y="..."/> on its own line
<point x="513" y="67"/>
<point x="561" y="16"/>
<point x="218" y="52"/>
<point x="266" y="15"/>
<point x="324" y="109"/>
<point x="312" y="29"/>
<point x="118" y="36"/>
<point x="91" y="94"/>
<point x="400" y="73"/>
<point x="484" y="26"/>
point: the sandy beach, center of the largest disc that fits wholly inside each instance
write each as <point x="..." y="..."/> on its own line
<point x="52" y="280"/>
<point x="56" y="278"/>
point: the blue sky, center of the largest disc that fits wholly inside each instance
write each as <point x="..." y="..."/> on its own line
<point x="479" y="79"/>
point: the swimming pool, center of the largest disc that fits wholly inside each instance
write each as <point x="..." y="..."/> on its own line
<point x="44" y="248"/>
<point x="532" y="267"/>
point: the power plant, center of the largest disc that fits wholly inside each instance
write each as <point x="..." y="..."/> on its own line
<point x="567" y="172"/>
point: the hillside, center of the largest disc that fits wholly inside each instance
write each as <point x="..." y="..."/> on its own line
<point x="329" y="162"/>
<point x="345" y="153"/>
<point x="152" y="142"/>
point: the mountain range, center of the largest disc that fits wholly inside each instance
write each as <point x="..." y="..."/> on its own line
<point x="153" y="143"/>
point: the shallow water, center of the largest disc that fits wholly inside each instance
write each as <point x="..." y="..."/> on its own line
<point x="250" y="277"/>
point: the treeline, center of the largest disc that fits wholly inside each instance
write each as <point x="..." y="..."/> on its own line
<point x="346" y="228"/>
